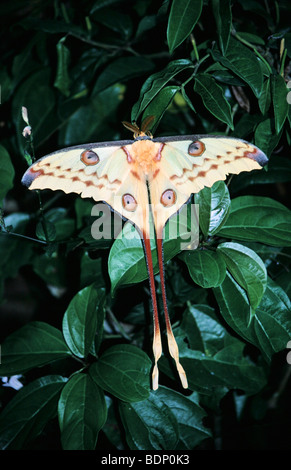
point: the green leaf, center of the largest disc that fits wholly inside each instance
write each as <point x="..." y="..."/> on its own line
<point x="214" y="207"/>
<point x="91" y="271"/>
<point x="25" y="416"/>
<point x="206" y="268"/>
<point x="203" y="330"/>
<point x="36" y="94"/>
<point x="184" y="15"/>
<point x="261" y="219"/>
<point x="84" y="313"/>
<point x="240" y="60"/>
<point x="252" y="38"/>
<point x="139" y="432"/>
<point x="154" y="84"/>
<point x="82" y="413"/>
<point x="14" y="251"/>
<point x="217" y="354"/>
<point x="62" y="80"/>
<point x="265" y="98"/>
<point x="247" y="268"/>
<point x="6" y="173"/>
<point x="46" y="231"/>
<point x="223" y="18"/>
<point x="213" y="98"/>
<point x="146" y="23"/>
<point x="273" y="327"/>
<point x="228" y="369"/>
<point x="33" y="345"/>
<point x="126" y="261"/>
<point x="120" y="70"/>
<point x="57" y="224"/>
<point x="178" y="422"/>
<point x="269" y="328"/>
<point x="89" y="120"/>
<point x="215" y="362"/>
<point x="279" y="98"/>
<point x="123" y="371"/>
<point x="189" y="416"/>
<point x="265" y="136"/>
<point x="159" y="105"/>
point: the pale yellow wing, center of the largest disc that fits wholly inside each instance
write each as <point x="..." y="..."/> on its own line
<point x="101" y="172"/>
<point x="186" y="166"/>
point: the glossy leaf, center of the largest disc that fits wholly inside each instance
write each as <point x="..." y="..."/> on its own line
<point x="178" y="422"/>
<point x="279" y="98"/>
<point x="88" y="119"/>
<point x="82" y="412"/>
<point x="184" y="14"/>
<point x="247" y="268"/>
<point x="214" y="207"/>
<point x="269" y="328"/>
<point x="265" y="98"/>
<point x="123" y="371"/>
<point x="214" y="362"/>
<point x="154" y="84"/>
<point x="33" y="345"/>
<point x="159" y="104"/>
<point x="213" y="98"/>
<point x="240" y="60"/>
<point x="121" y="70"/>
<point x="203" y="330"/>
<point x="223" y="17"/>
<point x="84" y="313"/>
<point x="259" y="219"/>
<point x="140" y="435"/>
<point x="207" y="268"/>
<point x="62" y="80"/>
<point x="265" y="136"/>
<point x="29" y="411"/>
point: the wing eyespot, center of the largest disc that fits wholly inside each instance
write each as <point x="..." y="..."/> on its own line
<point x="88" y="157"/>
<point x="129" y="202"/>
<point x="168" y="198"/>
<point x="196" y="148"/>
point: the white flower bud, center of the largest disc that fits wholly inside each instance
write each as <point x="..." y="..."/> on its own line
<point x="26" y="131"/>
<point x="25" y="114"/>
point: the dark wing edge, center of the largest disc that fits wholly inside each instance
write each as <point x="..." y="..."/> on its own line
<point x="258" y="155"/>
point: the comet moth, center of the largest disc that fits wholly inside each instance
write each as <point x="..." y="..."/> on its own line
<point x="132" y="176"/>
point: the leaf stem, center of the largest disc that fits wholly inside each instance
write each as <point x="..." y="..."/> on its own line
<point x="283" y="63"/>
<point x="41" y="210"/>
<point x="194" y="47"/>
<point x="7" y="232"/>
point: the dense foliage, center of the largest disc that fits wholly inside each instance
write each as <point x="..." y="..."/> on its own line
<point x="75" y="312"/>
